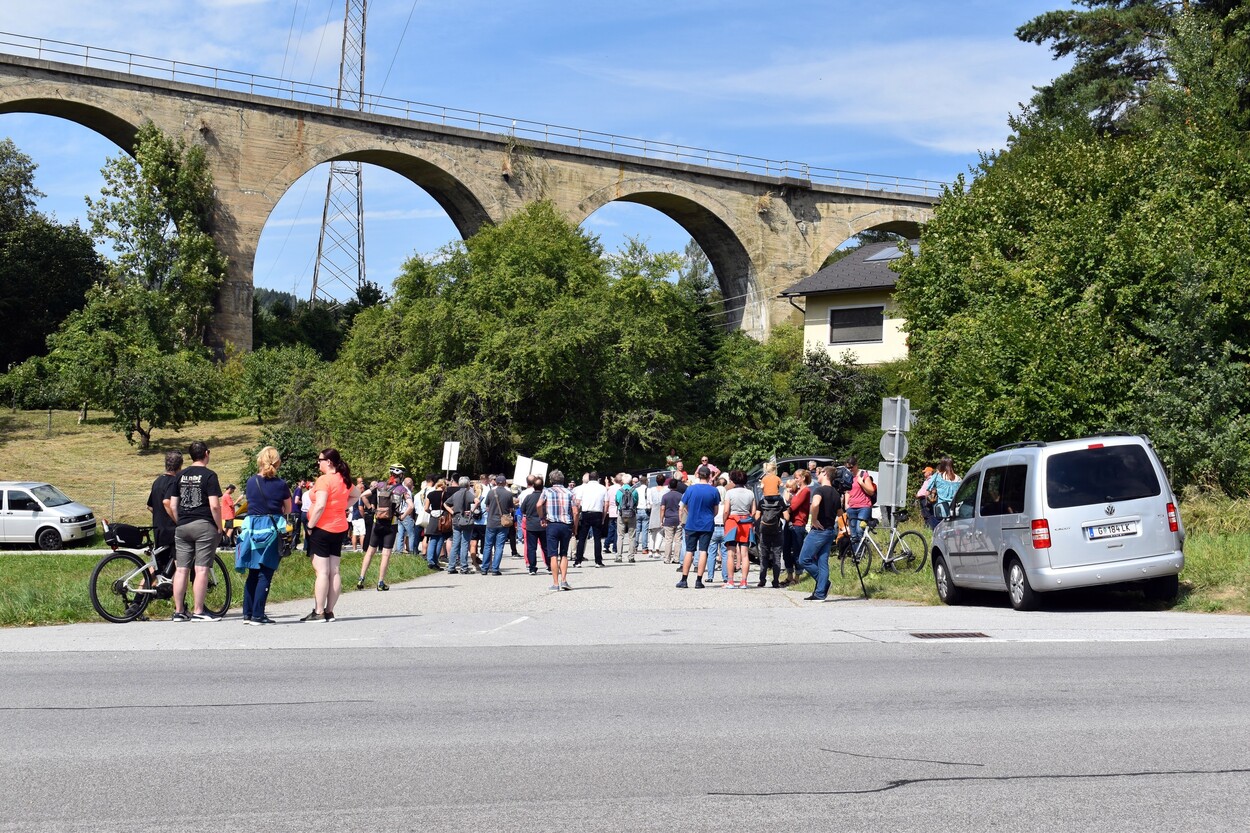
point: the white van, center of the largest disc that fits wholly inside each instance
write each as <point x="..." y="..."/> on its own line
<point x="1037" y="517"/>
<point x="41" y="514"/>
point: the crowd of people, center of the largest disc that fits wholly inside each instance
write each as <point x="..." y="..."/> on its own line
<point x="705" y="523"/>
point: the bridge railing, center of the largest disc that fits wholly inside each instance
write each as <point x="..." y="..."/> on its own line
<point x="228" y="80"/>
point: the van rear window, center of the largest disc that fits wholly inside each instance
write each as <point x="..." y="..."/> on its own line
<point x="1100" y="475"/>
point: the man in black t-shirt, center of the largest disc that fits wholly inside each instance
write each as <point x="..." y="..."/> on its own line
<point x="163" y="519"/>
<point x="197" y="506"/>
<point x="814" y="557"/>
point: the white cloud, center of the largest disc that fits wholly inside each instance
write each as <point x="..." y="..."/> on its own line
<point x="950" y="95"/>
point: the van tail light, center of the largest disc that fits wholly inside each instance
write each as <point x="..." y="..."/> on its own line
<point x="1041" y="534"/>
<point x="1173" y="519"/>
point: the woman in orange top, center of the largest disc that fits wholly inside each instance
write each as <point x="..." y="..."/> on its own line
<point x="327" y="528"/>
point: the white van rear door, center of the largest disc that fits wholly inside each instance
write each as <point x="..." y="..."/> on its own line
<point x="1106" y="502"/>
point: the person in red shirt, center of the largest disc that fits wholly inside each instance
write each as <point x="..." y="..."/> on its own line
<point x="796" y="532"/>
<point x="227" y="514"/>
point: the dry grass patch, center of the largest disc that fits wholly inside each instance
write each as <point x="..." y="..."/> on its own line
<point x="95" y="465"/>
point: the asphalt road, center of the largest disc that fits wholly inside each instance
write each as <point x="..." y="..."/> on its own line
<point x="925" y="736"/>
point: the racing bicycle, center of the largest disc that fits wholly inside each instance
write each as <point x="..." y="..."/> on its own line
<point x="126" y="581"/>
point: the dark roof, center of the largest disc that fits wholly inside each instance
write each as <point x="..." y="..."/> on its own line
<point x="865" y="268"/>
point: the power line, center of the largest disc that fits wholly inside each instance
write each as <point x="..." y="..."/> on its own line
<point x="290" y="33"/>
<point x="317" y="58"/>
<point x="398" y="46"/>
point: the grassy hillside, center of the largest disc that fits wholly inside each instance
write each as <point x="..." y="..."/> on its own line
<point x="95" y="465"/>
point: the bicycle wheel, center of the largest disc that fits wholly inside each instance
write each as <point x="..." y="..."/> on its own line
<point x="856" y="561"/>
<point x="217" y="599"/>
<point x="114" y="587"/>
<point x="910" y="552"/>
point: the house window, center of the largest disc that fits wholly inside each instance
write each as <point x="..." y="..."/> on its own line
<point x="856" y="325"/>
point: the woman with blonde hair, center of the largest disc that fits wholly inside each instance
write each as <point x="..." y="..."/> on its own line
<point x="260" y="539"/>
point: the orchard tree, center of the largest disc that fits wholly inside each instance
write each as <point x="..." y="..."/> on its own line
<point x="135" y="348"/>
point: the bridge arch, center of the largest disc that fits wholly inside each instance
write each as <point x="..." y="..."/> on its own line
<point x="905" y="220"/>
<point x="715" y="231"/>
<point x="436" y="173"/>
<point x="116" y="129"/>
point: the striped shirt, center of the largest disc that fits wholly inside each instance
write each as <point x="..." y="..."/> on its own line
<point x="559" y="504"/>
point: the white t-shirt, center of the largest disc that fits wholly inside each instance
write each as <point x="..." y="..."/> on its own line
<point x="590" y="496"/>
<point x="641" y="500"/>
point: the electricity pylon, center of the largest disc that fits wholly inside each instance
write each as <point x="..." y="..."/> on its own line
<point x="340" y="268"/>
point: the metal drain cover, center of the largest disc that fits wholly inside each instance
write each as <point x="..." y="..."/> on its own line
<point x="953" y="635"/>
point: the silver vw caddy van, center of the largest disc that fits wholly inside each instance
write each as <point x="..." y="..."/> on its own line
<point x="1036" y="517"/>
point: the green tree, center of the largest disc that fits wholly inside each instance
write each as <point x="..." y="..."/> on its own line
<point x="298" y="448"/>
<point x="525" y="339"/>
<point x="270" y="381"/>
<point x="135" y="348"/>
<point x="155" y="211"/>
<point x="45" y="266"/>
<point x="1047" y="296"/>
<point x="1122" y="52"/>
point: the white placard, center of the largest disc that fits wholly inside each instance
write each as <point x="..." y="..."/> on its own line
<point x="451" y="456"/>
<point x="539" y="469"/>
<point x="523" y="469"/>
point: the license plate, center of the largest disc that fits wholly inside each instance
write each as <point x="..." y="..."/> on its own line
<point x="1117" y="530"/>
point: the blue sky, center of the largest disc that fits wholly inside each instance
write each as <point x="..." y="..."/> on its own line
<point x="910" y="88"/>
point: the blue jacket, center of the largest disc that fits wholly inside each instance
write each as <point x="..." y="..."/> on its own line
<point x="260" y="542"/>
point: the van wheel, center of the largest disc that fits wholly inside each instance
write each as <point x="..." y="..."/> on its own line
<point x="1163" y="589"/>
<point x="48" y="539"/>
<point x="1023" y="596"/>
<point x="946" y="589"/>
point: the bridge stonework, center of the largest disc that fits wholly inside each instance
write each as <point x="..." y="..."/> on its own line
<point x="760" y="233"/>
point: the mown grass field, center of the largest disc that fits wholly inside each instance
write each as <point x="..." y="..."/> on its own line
<point x="95" y="465"/>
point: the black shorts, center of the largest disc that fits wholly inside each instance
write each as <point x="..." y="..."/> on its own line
<point x="325" y="544"/>
<point x="383" y="535"/>
<point x="479" y="532"/>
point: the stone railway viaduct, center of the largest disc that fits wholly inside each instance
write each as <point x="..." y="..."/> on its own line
<point x="760" y="233"/>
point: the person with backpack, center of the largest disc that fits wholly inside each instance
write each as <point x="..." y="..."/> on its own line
<point x="626" y="517"/>
<point x="385" y="498"/>
<point x="771" y="515"/>
<point x="860" y="498"/>
<point x="406" y="536"/>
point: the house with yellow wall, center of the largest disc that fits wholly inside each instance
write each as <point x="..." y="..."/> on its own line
<point x="848" y="306"/>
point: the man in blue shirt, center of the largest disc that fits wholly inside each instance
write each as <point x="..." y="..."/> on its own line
<point x="698" y="508"/>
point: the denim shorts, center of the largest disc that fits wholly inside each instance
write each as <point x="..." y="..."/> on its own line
<point x="698" y="541"/>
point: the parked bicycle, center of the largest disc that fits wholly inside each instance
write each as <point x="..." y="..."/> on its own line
<point x="905" y="551"/>
<point x="126" y="581"/>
